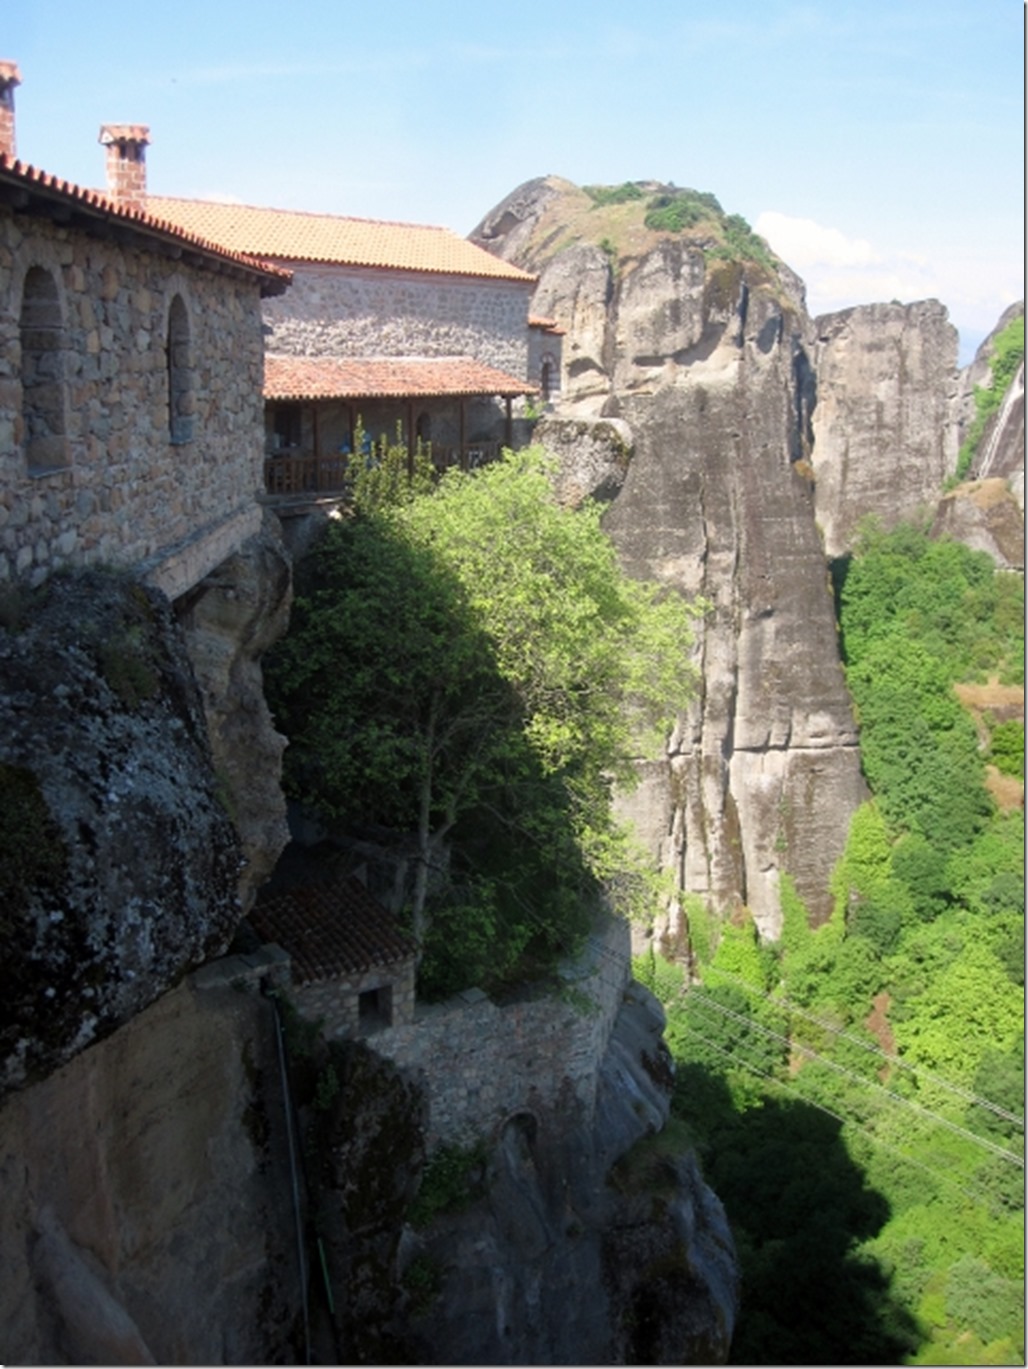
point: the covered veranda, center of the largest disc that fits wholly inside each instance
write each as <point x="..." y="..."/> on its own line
<point x="315" y="406"/>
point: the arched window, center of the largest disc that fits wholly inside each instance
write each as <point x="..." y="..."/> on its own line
<point x="42" y="374"/>
<point x="549" y="377"/>
<point x="180" y="374"/>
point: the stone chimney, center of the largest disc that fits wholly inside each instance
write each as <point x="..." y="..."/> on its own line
<point x="126" y="163"/>
<point x="10" y="77"/>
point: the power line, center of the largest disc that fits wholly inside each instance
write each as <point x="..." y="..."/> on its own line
<point x="896" y="1060"/>
<point x="752" y="1024"/>
<point x="978" y="1195"/>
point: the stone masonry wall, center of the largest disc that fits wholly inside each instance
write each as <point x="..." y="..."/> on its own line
<point x="343" y="311"/>
<point x="121" y="492"/>
<point x="335" y="1003"/>
<point x="479" y="1062"/>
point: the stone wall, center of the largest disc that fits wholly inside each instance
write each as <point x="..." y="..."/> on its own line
<point x="479" y="1061"/>
<point x="115" y="488"/>
<point x="335" y="1003"/>
<point x="342" y="311"/>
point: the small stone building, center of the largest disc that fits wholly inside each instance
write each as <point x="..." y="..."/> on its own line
<point x="131" y="357"/>
<point x="352" y="964"/>
<point x="545" y="357"/>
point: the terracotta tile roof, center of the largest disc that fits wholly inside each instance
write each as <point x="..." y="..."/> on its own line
<point x="288" y="377"/>
<point x="546" y="325"/>
<point x="331" y="929"/>
<point x="26" y="185"/>
<point x="289" y="235"/>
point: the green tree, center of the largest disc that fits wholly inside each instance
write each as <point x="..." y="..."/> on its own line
<point x="471" y="665"/>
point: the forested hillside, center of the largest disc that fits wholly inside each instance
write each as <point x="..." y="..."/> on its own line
<point x="856" y="1092"/>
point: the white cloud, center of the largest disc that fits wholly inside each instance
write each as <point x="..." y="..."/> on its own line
<point x="840" y="271"/>
<point x="803" y="243"/>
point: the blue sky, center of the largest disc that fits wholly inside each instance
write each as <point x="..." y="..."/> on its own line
<point x="877" y="144"/>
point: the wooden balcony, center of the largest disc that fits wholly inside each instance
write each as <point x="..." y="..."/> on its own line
<point x="296" y="476"/>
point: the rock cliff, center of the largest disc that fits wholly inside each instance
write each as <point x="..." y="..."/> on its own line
<point x="232" y="617"/>
<point x="884" y="442"/>
<point x="147" y="1216"/>
<point x="578" y="1240"/>
<point x="153" y="1212"/>
<point x="703" y="356"/>
<point x="118" y="861"/>
<point x="987" y="510"/>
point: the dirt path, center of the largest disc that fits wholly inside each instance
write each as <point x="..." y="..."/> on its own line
<point x="877" y="1023"/>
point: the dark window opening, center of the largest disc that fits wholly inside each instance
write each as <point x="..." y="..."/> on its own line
<point x="375" y="1008"/>
<point x="286" y="426"/>
<point x="180" y="379"/>
<point x="42" y="374"/>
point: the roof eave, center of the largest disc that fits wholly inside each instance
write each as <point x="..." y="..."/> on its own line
<point x="27" y="189"/>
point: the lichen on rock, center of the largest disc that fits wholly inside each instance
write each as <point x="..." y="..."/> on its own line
<point x="119" y="864"/>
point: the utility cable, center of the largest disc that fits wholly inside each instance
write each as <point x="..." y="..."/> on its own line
<point x="978" y="1196"/>
<point x="896" y="1060"/>
<point x="750" y="1023"/>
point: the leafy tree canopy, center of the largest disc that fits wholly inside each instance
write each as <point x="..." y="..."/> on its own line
<point x="472" y="666"/>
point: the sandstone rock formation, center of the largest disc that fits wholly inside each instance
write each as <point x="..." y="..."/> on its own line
<point x="1001" y="449"/>
<point x="147" y="1216"/>
<point x="987" y="511"/>
<point x="585" y="1244"/>
<point x="883" y="440"/>
<point x="230" y="619"/>
<point x="986" y="515"/>
<point x="704" y="359"/>
<point x="118" y="861"/>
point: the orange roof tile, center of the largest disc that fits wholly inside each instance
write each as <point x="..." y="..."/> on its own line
<point x="332" y="929"/>
<point x="288" y="377"/>
<point x="546" y="325"/>
<point x="289" y="235"/>
<point x="28" y="181"/>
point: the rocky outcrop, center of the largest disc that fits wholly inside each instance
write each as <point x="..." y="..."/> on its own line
<point x="593" y="457"/>
<point x="118" y="860"/>
<point x="584" y="1244"/>
<point x="147" y="1214"/>
<point x="704" y="358"/>
<point x="883" y="440"/>
<point x="1000" y="453"/>
<point x="233" y="616"/>
<point x="986" y="515"/>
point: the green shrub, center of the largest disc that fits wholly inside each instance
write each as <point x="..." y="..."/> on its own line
<point x="451" y="1181"/>
<point x="675" y="210"/>
<point x="613" y="194"/>
<point x="1006" y="748"/>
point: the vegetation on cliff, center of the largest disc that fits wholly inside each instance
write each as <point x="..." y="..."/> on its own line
<point x="472" y="666"/>
<point x="1007" y="356"/>
<point x="856" y="1091"/>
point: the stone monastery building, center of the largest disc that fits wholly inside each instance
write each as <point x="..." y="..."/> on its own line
<point x="131" y="418"/>
<point x="167" y="365"/>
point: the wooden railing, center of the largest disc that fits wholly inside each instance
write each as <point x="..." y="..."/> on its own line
<point x="296" y="475"/>
<point x="286" y="476"/>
